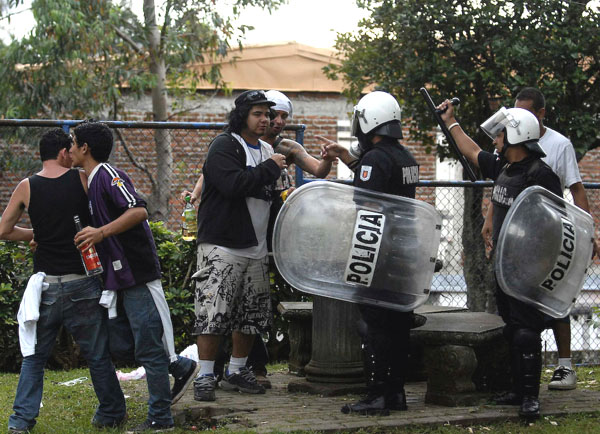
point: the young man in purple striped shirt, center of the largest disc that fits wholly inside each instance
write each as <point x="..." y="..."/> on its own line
<point x="131" y="268"/>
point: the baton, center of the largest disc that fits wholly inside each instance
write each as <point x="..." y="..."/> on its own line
<point x="451" y="142"/>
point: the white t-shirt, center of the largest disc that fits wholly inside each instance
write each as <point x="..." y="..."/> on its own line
<point x="560" y="156"/>
<point x="259" y="209"/>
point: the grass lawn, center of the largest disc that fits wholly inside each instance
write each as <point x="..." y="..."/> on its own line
<point x="69" y="409"/>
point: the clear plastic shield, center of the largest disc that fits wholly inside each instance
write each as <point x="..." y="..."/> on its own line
<point x="543" y="252"/>
<point x="357" y="245"/>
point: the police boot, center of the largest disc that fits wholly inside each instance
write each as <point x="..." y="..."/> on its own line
<point x="395" y="396"/>
<point x="376" y="372"/>
<point x="531" y="367"/>
<point x="373" y="404"/>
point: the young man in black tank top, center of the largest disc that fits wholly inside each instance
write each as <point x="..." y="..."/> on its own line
<point x="52" y="197"/>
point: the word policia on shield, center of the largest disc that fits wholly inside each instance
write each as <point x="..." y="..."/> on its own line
<point x="543" y="251"/>
<point x="357" y="245"/>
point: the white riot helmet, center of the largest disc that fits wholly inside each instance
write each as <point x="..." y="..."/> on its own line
<point x="521" y="128"/>
<point x="281" y="101"/>
<point x="379" y="113"/>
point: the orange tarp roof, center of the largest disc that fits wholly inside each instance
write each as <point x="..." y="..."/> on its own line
<point x="290" y="67"/>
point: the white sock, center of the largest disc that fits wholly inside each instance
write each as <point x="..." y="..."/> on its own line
<point x="566" y="362"/>
<point x="235" y="363"/>
<point x="207" y="367"/>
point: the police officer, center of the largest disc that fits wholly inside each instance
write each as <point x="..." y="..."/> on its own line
<point x="388" y="167"/>
<point x="518" y="165"/>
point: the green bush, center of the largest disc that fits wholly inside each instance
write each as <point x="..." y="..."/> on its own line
<point x="178" y="263"/>
<point x="16" y="266"/>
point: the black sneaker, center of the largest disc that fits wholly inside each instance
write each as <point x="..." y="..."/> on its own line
<point x="112" y="424"/>
<point x="507" y="398"/>
<point x="149" y="425"/>
<point x="182" y="383"/>
<point x="243" y="380"/>
<point x="204" y="388"/>
<point x="373" y="404"/>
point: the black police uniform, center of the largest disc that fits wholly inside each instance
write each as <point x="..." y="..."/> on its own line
<point x="524" y="323"/>
<point x="388" y="167"/>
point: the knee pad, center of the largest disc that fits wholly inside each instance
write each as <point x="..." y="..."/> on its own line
<point x="527" y="341"/>
<point x="363" y="329"/>
<point x="508" y="332"/>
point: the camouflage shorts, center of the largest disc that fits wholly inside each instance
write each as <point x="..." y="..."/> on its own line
<point x="232" y="293"/>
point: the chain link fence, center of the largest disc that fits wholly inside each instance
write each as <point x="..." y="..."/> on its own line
<point x="136" y="151"/>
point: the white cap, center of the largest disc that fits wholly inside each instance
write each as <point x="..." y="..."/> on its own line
<point x="281" y="101"/>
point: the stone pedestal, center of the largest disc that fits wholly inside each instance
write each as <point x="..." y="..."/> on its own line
<point x="299" y="315"/>
<point x="336" y="348"/>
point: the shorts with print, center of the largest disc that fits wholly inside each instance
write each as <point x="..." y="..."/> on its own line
<point x="232" y="293"/>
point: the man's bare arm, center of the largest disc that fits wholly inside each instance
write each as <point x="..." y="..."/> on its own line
<point x="465" y="144"/>
<point x="296" y="154"/>
<point x="332" y="150"/>
<point x="196" y="194"/>
<point x="580" y="199"/>
<point x="89" y="236"/>
<point x="19" y="200"/>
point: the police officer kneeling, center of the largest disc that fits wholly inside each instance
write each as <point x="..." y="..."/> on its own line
<point x="518" y="165"/>
<point x="385" y="166"/>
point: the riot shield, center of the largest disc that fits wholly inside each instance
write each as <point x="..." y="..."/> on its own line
<point x="543" y="251"/>
<point x="357" y="245"/>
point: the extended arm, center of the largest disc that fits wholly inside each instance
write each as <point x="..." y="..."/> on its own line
<point x="196" y="194"/>
<point x="465" y="144"/>
<point x="333" y="150"/>
<point x="13" y="212"/>
<point x="127" y="220"/>
<point x="296" y="154"/>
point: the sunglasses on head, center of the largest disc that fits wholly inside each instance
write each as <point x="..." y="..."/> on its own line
<point x="255" y="95"/>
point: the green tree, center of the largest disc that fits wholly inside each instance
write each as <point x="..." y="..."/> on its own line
<point x="84" y="56"/>
<point x="483" y="52"/>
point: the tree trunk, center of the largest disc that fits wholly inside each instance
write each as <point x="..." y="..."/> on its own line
<point x="158" y="204"/>
<point x="478" y="269"/>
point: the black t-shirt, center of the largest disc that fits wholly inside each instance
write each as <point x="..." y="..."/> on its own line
<point x="510" y="179"/>
<point x="388" y="168"/>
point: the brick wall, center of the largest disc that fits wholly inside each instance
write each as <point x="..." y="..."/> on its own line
<point x="190" y="147"/>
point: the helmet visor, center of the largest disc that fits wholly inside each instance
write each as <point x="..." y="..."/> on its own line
<point x="497" y="122"/>
<point x="354" y="126"/>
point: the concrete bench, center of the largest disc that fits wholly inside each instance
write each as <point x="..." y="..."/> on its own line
<point x="462" y="354"/>
<point x="465" y="356"/>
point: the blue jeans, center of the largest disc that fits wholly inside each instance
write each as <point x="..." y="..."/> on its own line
<point x="73" y="305"/>
<point x="145" y="324"/>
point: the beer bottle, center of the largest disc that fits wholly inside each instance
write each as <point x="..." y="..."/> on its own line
<point x="89" y="256"/>
<point x="189" y="224"/>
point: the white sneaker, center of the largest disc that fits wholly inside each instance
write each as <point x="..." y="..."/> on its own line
<point x="563" y="379"/>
